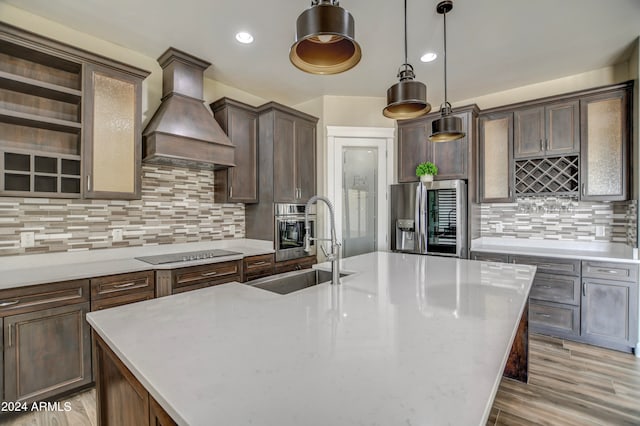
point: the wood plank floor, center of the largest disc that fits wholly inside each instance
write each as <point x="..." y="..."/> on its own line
<point x="82" y="413"/>
<point x="569" y="384"/>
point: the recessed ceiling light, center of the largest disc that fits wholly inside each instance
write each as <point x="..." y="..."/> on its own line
<point x="428" y="57"/>
<point x="244" y="37"/>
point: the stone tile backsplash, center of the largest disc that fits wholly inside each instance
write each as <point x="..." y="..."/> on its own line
<point x="554" y="219"/>
<point x="177" y="206"/>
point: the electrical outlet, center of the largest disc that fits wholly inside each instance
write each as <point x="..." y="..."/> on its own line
<point x="599" y="230"/>
<point x="116" y="234"/>
<point x="27" y="239"/>
<point x="499" y="228"/>
<point x="232" y="229"/>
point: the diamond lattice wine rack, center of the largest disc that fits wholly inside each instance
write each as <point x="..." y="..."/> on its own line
<point x="548" y="176"/>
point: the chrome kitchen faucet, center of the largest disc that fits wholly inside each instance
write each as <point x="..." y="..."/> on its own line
<point x="334" y="255"/>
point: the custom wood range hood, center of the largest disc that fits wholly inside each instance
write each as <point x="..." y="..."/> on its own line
<point x="183" y="132"/>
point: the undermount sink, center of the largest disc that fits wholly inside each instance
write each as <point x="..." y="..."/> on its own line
<point x="288" y="282"/>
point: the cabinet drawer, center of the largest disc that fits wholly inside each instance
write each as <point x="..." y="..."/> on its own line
<point x="116" y="285"/>
<point x="490" y="257"/>
<point x="554" y="318"/>
<point x="121" y="299"/>
<point x="295" y="264"/>
<point x="34" y="298"/>
<point x="556" y="288"/>
<point x="610" y="270"/>
<point x="258" y="266"/>
<point x="206" y="275"/>
<point x="550" y="265"/>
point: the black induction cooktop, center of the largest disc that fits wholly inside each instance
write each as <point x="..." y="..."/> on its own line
<point x="186" y="256"/>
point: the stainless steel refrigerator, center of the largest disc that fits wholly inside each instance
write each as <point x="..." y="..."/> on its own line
<point x="430" y="218"/>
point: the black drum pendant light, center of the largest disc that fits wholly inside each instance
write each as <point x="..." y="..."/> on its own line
<point x="447" y="127"/>
<point x="324" y="39"/>
<point x="407" y="98"/>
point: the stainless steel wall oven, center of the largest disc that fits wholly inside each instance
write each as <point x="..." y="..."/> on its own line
<point x="289" y="231"/>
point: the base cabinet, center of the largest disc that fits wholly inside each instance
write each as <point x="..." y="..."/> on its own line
<point x="120" y="397"/>
<point x="46" y="352"/>
<point x="586" y="301"/>
<point x="46" y="340"/>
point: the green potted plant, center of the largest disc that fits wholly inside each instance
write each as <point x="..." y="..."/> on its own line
<point x="426" y="171"/>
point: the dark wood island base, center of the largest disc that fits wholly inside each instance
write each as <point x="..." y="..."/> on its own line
<point x="120" y="398"/>
<point x="517" y="367"/>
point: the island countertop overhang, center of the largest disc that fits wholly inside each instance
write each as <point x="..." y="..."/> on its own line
<point x="402" y="339"/>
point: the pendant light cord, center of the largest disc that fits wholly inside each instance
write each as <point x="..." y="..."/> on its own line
<point x="406" y="60"/>
<point x="445" y="58"/>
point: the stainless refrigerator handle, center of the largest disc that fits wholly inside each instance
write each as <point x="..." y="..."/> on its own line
<point x="416" y="220"/>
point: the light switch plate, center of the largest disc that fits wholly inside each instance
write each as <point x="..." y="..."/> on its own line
<point x="599" y="230"/>
<point x="27" y="239"/>
<point x="499" y="228"/>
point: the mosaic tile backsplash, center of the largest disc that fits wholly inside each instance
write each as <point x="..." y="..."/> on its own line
<point x="177" y="206"/>
<point x="562" y="219"/>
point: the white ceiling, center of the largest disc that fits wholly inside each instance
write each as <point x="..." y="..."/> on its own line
<point x="493" y="45"/>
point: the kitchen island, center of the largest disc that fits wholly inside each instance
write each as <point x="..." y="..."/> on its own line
<point x="404" y="340"/>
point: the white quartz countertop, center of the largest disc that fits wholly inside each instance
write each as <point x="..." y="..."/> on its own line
<point x="583" y="250"/>
<point x="24" y="270"/>
<point x="404" y="340"/>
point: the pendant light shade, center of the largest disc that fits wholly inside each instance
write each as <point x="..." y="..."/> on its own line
<point x="447" y="127"/>
<point x="407" y="98"/>
<point x="325" y="41"/>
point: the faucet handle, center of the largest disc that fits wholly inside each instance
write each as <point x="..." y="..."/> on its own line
<point x="324" y="251"/>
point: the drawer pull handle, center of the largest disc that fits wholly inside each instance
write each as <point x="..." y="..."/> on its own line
<point x="209" y="274"/>
<point x="545" y="286"/>
<point x="13" y="302"/>
<point x="124" y="285"/>
<point x="543" y="315"/>
<point x="608" y="271"/>
<point x="262" y="262"/>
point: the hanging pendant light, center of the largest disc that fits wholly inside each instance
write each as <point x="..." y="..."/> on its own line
<point x="407" y="98"/>
<point x="447" y="127"/>
<point x="324" y="39"/>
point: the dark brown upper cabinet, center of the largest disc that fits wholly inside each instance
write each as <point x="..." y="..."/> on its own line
<point x="451" y="158"/>
<point x="238" y="184"/>
<point x="547" y="130"/>
<point x="496" y="158"/>
<point x="287" y="140"/>
<point x="70" y="120"/>
<point x="605" y="129"/>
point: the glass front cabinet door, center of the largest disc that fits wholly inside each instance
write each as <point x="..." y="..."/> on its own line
<point x="604" y="146"/>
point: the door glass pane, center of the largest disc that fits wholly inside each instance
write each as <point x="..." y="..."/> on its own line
<point x="496" y="158"/>
<point x="359" y="189"/>
<point x="604" y="148"/>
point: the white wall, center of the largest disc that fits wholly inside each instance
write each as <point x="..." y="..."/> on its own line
<point x="601" y="77"/>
